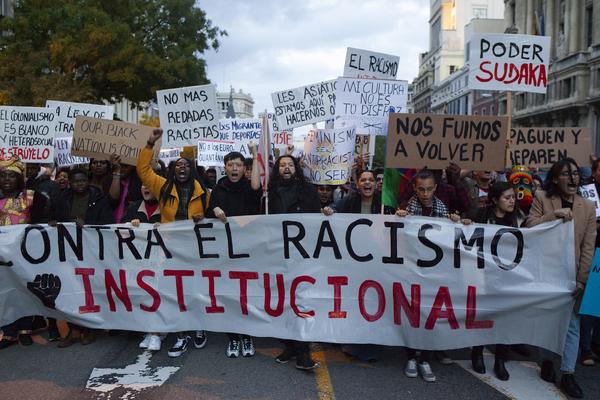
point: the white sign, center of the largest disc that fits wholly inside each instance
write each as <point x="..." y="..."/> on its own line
<point x="304" y="105"/>
<point x="234" y="135"/>
<point x="589" y="192"/>
<point x="369" y="64"/>
<point x="62" y="153"/>
<point x="279" y="139"/>
<point x="509" y="62"/>
<point x="328" y="155"/>
<point x="168" y="155"/>
<point x="367" y="103"/>
<point x="188" y="114"/>
<point x="28" y="132"/>
<point x="67" y="112"/>
<point x="425" y="283"/>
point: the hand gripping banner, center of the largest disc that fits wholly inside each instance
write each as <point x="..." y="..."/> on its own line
<point x="421" y="282"/>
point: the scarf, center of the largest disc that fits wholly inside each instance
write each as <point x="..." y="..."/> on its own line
<point x="438" y="209"/>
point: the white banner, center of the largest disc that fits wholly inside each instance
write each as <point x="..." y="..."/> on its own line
<point x="589" y="192"/>
<point x="234" y="135"/>
<point x="367" y="103"/>
<point x="421" y="282"/>
<point x="68" y="111"/>
<point x="328" y="155"/>
<point x="305" y="105"/>
<point x="62" y="153"/>
<point x="509" y="62"/>
<point x="28" y="133"/>
<point x="370" y="64"/>
<point x="188" y="114"/>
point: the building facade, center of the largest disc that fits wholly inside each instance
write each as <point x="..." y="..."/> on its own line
<point x="243" y="103"/>
<point x="573" y="95"/>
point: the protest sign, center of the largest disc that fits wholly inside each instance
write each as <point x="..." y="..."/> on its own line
<point x="100" y="138"/>
<point x="304" y="105"/>
<point x="28" y="132"/>
<point x="542" y="147"/>
<point x="234" y="135"/>
<point x="168" y="155"/>
<point x="67" y="112"/>
<point x="435" y="140"/>
<point x="188" y="114"/>
<point x="589" y="192"/>
<point x="590" y="304"/>
<point x="364" y="146"/>
<point x="328" y="155"/>
<point x="370" y="64"/>
<point x="425" y="283"/>
<point x="279" y="139"/>
<point x="509" y="62"/>
<point x="62" y="153"/>
<point x="367" y="103"/>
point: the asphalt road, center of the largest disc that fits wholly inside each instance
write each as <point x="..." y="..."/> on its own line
<point x="115" y="368"/>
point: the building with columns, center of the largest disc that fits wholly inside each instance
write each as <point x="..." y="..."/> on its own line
<point x="573" y="95"/>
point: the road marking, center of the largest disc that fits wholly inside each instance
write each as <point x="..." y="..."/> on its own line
<point x="524" y="383"/>
<point x="324" y="386"/>
<point x="133" y="378"/>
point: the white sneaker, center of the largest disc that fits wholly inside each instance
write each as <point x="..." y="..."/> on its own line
<point x="144" y="343"/>
<point x="154" y="343"/>
<point x="247" y="346"/>
<point x="179" y="347"/>
<point x="411" y="368"/>
<point x="426" y="372"/>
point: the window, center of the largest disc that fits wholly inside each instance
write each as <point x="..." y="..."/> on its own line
<point x="561" y="19"/>
<point x="435" y="34"/>
<point x="492" y="110"/>
<point x="467" y="51"/>
<point x="589" y="22"/>
<point x="479" y="12"/>
<point x="483" y="111"/>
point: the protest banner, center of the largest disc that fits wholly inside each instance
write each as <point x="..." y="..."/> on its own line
<point x="62" y="153"/>
<point x="370" y="64"/>
<point x="367" y="103"/>
<point x="100" y="138"/>
<point x="425" y="283"/>
<point x="589" y="192"/>
<point x="542" y="147"/>
<point x="328" y="155"/>
<point x="28" y="132"/>
<point x="304" y="105"/>
<point x="68" y="111"/>
<point x="188" y="114"/>
<point x="234" y="135"/>
<point x="279" y="139"/>
<point x="509" y="62"/>
<point x="590" y="304"/>
<point x="435" y="140"/>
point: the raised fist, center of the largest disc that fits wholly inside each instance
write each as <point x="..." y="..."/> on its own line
<point x="46" y="287"/>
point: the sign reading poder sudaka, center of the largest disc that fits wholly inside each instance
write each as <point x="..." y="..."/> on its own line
<point x="435" y="140"/>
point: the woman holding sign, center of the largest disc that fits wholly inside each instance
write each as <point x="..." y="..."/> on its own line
<point x="181" y="196"/>
<point x="560" y="200"/>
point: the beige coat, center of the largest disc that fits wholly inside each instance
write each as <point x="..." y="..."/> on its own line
<point x="584" y="217"/>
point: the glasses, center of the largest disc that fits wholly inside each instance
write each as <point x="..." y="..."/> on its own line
<point x="574" y="174"/>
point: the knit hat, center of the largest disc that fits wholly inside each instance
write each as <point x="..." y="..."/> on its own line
<point x="12" y="163"/>
<point x="522" y="181"/>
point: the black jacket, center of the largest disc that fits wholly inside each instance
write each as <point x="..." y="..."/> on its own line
<point x="306" y="200"/>
<point x="98" y="212"/>
<point x="352" y="205"/>
<point x="234" y="198"/>
<point x="137" y="210"/>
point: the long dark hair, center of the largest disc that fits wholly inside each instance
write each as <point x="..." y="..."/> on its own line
<point x="494" y="195"/>
<point x="275" y="180"/>
<point x="552" y="188"/>
<point x="165" y="191"/>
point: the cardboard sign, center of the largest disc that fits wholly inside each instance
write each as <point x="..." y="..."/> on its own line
<point x="369" y="64"/>
<point x="509" y="62"/>
<point x="589" y="192"/>
<point x="28" y="133"/>
<point x="542" y="147"/>
<point x="62" y="153"/>
<point x="67" y="112"/>
<point x="304" y="105"/>
<point x="234" y="135"/>
<point x="100" y="138"/>
<point x="590" y="304"/>
<point x="328" y="155"/>
<point x="279" y="139"/>
<point x="188" y="114"/>
<point x="364" y="146"/>
<point x="367" y="103"/>
<point x="435" y="140"/>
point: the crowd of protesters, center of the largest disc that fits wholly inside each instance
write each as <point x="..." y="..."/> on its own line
<point x="107" y="191"/>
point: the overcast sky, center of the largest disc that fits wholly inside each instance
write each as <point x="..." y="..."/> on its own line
<point x="280" y="44"/>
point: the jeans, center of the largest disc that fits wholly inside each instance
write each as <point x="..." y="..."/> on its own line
<point x="571" y="349"/>
<point x="589" y="324"/>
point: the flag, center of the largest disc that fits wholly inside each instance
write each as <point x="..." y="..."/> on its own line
<point x="395" y="181"/>
<point x="264" y="151"/>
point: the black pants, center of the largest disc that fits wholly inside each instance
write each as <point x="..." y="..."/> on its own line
<point x="21" y="326"/>
<point x="501" y="351"/>
<point x="412" y="354"/>
<point x="298" y="347"/>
